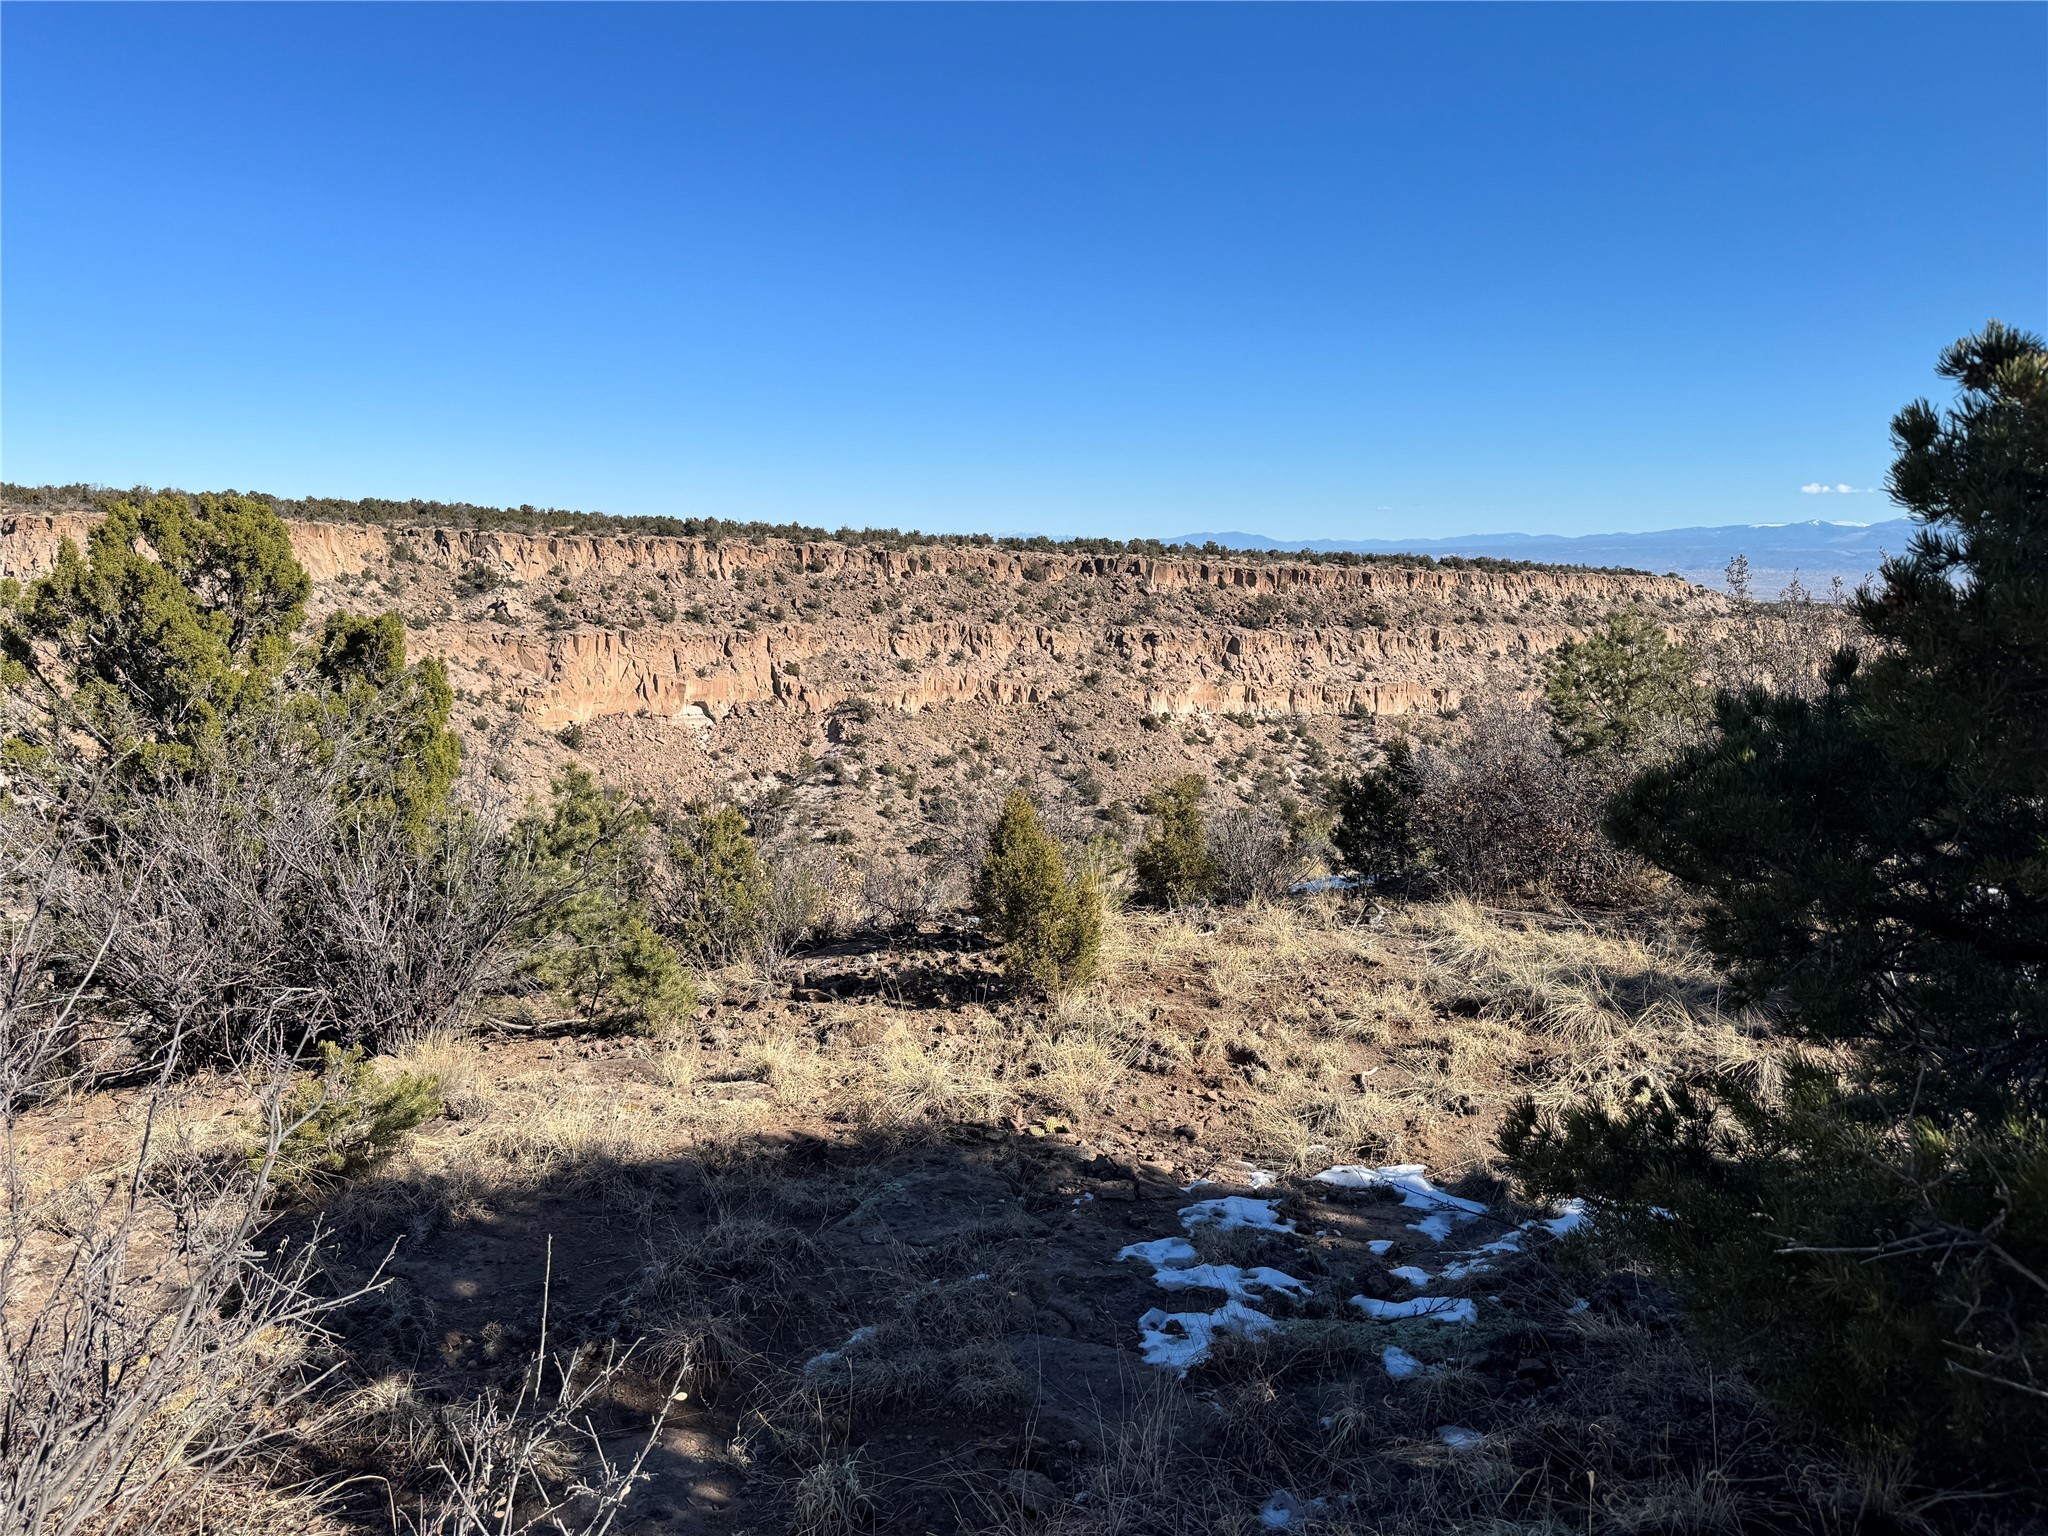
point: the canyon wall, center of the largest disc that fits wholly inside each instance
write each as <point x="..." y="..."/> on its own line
<point x="1429" y="636"/>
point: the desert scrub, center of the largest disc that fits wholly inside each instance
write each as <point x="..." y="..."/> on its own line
<point x="346" y="1118"/>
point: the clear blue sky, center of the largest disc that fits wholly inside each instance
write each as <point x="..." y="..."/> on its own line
<point x="1309" y="271"/>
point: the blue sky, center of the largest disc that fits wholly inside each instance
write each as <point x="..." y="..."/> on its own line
<point x="1312" y="271"/>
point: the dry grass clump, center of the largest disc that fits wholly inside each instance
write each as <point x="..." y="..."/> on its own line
<point x="573" y="1132"/>
<point x="1600" y="1011"/>
<point x="905" y="1085"/>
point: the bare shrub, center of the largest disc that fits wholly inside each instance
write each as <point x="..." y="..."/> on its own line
<point x="152" y="1351"/>
<point x="229" y="904"/>
<point x="1507" y="814"/>
<point x="898" y="889"/>
<point x="413" y="933"/>
<point x="1783" y="644"/>
<point x="804" y="892"/>
<point x="534" y="1459"/>
<point x="186" y="909"/>
<point x="1253" y="854"/>
<point x="136" y="1389"/>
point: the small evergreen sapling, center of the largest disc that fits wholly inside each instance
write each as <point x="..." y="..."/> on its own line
<point x="346" y="1117"/>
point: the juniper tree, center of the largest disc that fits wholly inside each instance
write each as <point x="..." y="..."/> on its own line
<point x="174" y="639"/>
<point x="1173" y="865"/>
<point x="1873" y="864"/>
<point x="1045" y="921"/>
<point x="1376" y="834"/>
<point x="179" y="618"/>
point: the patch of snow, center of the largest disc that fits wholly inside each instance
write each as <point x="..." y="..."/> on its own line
<point x="1463" y="1267"/>
<point x="1285" y="1507"/>
<point x="1400" y="1364"/>
<point x="1436" y="1228"/>
<point x="1321" y="883"/>
<point x="1412" y="1275"/>
<point x="1441" y="1309"/>
<point x="1179" y="1340"/>
<point x="1380" y="1246"/>
<point x="1411" y="1180"/>
<point x="1229" y="1279"/>
<point x="826" y="1359"/>
<point x="1172" y="1252"/>
<point x="1458" y="1437"/>
<point x="1579" y="1304"/>
<point x="1571" y="1215"/>
<point x="1174" y="1268"/>
<point x="1234" y="1211"/>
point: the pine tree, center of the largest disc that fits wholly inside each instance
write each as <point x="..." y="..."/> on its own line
<point x="716" y="899"/>
<point x="1623" y="690"/>
<point x="1874" y="866"/>
<point x="593" y="944"/>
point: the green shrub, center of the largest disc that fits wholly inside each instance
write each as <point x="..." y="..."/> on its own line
<point x="347" y="1117"/>
<point x="594" y="947"/>
<point x="715" y="898"/>
<point x="1173" y="865"/>
<point x="1376" y="835"/>
<point x="1046" y="922"/>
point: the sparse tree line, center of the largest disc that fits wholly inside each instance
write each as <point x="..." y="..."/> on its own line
<point x="531" y="519"/>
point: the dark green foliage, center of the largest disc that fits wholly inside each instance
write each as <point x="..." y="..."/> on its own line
<point x="175" y="626"/>
<point x="1874" y="862"/>
<point x="1881" y="854"/>
<point x="595" y="948"/>
<point x="1173" y="865"/>
<point x="1046" y="923"/>
<point x="173" y="641"/>
<point x="346" y="1117"/>
<point x="393" y="717"/>
<point x="715" y="896"/>
<point x="1880" y="1277"/>
<point x="1624" y="690"/>
<point x="1376" y="834"/>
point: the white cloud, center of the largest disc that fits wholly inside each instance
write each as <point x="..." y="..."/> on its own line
<point x="1817" y="489"/>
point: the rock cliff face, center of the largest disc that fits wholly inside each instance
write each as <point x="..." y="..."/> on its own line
<point x="577" y="628"/>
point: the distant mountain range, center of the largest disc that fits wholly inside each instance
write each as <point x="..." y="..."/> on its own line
<point x="1816" y="552"/>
